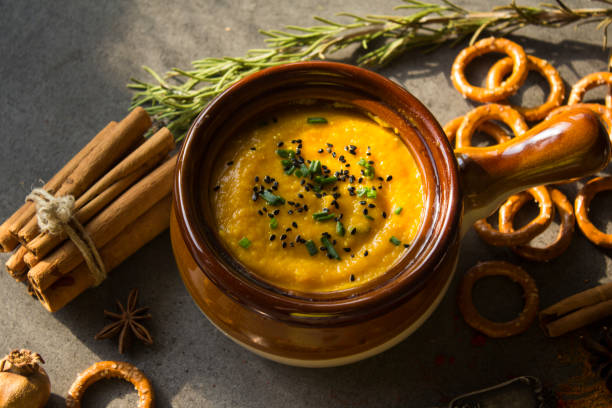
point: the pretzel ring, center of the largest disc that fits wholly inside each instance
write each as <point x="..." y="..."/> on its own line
<point x="492" y="44"/>
<point x="583" y="200"/>
<point x="507" y="236"/>
<point x="111" y="369"/>
<point x="473" y="119"/>
<point x="590" y="81"/>
<point x="565" y="210"/>
<point x="486" y="326"/>
<point x="603" y="113"/>
<point x="490" y="128"/>
<point x="499" y="70"/>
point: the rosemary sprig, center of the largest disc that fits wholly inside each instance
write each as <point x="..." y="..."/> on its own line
<point x="175" y="100"/>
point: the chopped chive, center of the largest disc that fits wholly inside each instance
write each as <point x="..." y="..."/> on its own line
<point x="286" y="162"/>
<point x="285" y="153"/>
<point x="244" y="242"/>
<point x="273" y="223"/>
<point x="330" y="248"/>
<point x="395" y="241"/>
<point x="369" y="217"/>
<point x="271" y="198"/>
<point x="311" y="247"/>
<point x="304" y="170"/>
<point x="340" y="229"/>
<point x="298" y="173"/>
<point x="362" y="191"/>
<point x="290" y="170"/>
<point x="316" y="119"/>
<point x="325" y="180"/>
<point x="371" y="193"/>
<point x="361" y="162"/>
<point x="398" y="210"/>
<point x="315" y="167"/>
<point x="323" y="216"/>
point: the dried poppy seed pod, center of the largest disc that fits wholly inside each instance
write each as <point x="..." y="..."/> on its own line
<point x="23" y="383"/>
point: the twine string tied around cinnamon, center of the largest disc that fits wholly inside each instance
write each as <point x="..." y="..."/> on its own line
<point x="54" y="215"/>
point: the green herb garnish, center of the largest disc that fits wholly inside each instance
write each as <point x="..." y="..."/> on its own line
<point x="395" y="241"/>
<point x="286" y="162"/>
<point x="304" y="170"/>
<point x="367" y="192"/>
<point x="369" y="217"/>
<point x="398" y="210"/>
<point x="369" y="169"/>
<point x="316" y="119"/>
<point x="325" y="180"/>
<point x="271" y="198"/>
<point x="330" y="248"/>
<point x="315" y="167"/>
<point x="311" y="247"/>
<point x="340" y="229"/>
<point x="244" y="242"/>
<point x="290" y="170"/>
<point x="323" y="216"/>
<point x="285" y="153"/>
<point x="273" y="223"/>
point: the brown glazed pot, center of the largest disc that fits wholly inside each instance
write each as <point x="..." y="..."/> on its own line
<point x="334" y="328"/>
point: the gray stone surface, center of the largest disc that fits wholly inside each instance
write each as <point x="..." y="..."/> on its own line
<point x="63" y="70"/>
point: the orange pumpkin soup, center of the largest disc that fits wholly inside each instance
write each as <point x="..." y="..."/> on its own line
<point x="317" y="199"/>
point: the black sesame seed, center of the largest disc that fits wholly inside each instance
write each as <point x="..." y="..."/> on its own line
<point x="217" y="187"/>
<point x="389" y="178"/>
<point x="365" y="253"/>
<point x="280" y="144"/>
<point x="352" y="278"/>
<point x="272" y="237"/>
<point x="290" y="212"/>
<point x="276" y="212"/>
<point x="229" y="163"/>
<point x="365" y="211"/>
<point x="353" y="231"/>
<point x="283" y="237"/>
<point x="328" y="150"/>
<point x="347" y="249"/>
<point x="288" y="230"/>
<point x="294" y="224"/>
<point x="305" y="207"/>
<point x="371" y="205"/>
<point x="253" y="148"/>
<point x="384" y="214"/>
<point x="254" y="196"/>
<point x="320" y="150"/>
<point x="302" y="182"/>
<point x="406" y="245"/>
<point x="285" y="244"/>
<point x="260" y="212"/>
<point x="300" y="195"/>
<point x="257" y="179"/>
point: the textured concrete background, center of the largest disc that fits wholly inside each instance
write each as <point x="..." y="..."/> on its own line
<point x="63" y="70"/>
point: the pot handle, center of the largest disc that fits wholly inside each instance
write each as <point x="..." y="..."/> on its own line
<point x="571" y="144"/>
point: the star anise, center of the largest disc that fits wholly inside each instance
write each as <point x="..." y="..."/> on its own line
<point x="126" y="323"/>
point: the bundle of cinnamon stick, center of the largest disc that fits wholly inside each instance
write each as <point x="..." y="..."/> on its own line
<point x="121" y="184"/>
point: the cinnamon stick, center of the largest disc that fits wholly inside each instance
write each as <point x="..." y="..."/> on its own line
<point x="128" y="241"/>
<point x="10" y="227"/>
<point x="16" y="265"/>
<point x="98" y="196"/>
<point x="577" y="311"/>
<point x="106" y="225"/>
<point x="121" y="139"/>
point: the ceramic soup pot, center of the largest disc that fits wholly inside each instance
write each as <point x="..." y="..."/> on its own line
<point x="461" y="186"/>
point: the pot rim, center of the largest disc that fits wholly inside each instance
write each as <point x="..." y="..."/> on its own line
<point x="331" y="308"/>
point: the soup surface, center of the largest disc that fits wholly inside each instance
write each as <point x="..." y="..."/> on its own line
<point x="317" y="199"/>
